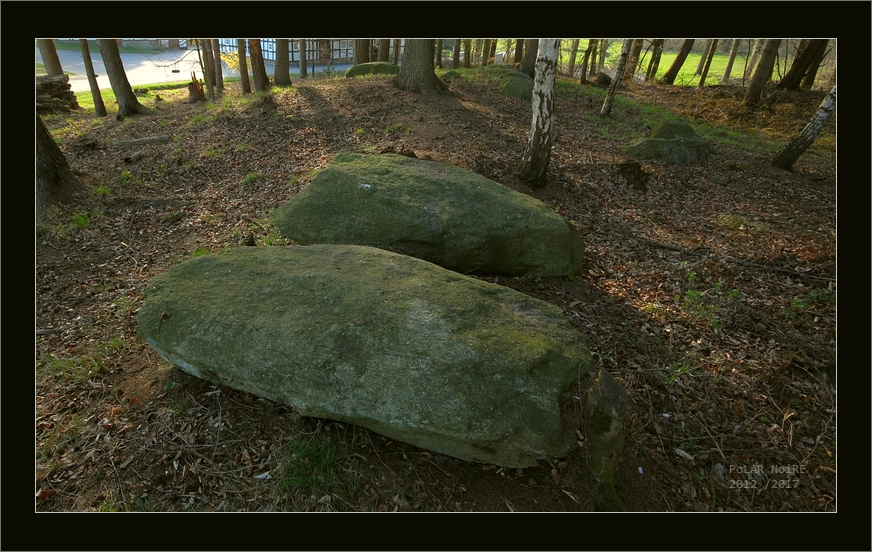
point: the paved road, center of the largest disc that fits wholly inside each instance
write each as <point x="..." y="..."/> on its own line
<point x="159" y="67"/>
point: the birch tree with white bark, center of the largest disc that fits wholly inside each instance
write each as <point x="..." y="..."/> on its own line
<point x="537" y="155"/>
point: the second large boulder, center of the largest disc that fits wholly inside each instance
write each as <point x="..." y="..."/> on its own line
<point x="434" y="211"/>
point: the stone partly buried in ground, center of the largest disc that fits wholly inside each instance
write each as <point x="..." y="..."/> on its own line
<point x="671" y="142"/>
<point x="392" y="343"/>
<point x="438" y="212"/>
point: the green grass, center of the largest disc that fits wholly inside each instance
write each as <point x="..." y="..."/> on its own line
<point x="94" y="48"/>
<point x="315" y="468"/>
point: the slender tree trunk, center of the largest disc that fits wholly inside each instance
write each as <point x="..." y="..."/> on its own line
<point x="604" y="43"/>
<point x="455" y="55"/>
<point x="467" y="53"/>
<point x="243" y="66"/>
<point x="416" y="72"/>
<point x="734" y="49"/>
<point x="384" y="49"/>
<point x="713" y="45"/>
<point x="573" y="53"/>
<point x="534" y="165"/>
<point x="593" y="64"/>
<point x="755" y="54"/>
<point x="519" y="52"/>
<point x="672" y="72"/>
<point x="616" y="81"/>
<point x="811" y="74"/>
<point x="802" y="64"/>
<point x="591" y="46"/>
<point x="49" y="55"/>
<point x="531" y="51"/>
<point x="397" y="45"/>
<point x="55" y="179"/>
<point x="127" y="102"/>
<point x="208" y="65"/>
<point x="439" y="53"/>
<point x="283" y="62"/>
<point x="654" y="65"/>
<point x="303" y="62"/>
<point x="492" y="53"/>
<point x="703" y="58"/>
<point x="219" y="69"/>
<point x="485" y="50"/>
<point x="258" y="67"/>
<point x="787" y="156"/>
<point x="99" y="107"/>
<point x="633" y="61"/>
<point x="763" y="72"/>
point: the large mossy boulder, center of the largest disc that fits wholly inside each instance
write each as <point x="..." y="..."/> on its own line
<point x="518" y="85"/>
<point x="371" y="68"/>
<point x="385" y="341"/>
<point x="671" y="142"/>
<point x="434" y="211"/>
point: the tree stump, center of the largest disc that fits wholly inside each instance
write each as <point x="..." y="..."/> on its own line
<point x="53" y="94"/>
<point x="195" y="90"/>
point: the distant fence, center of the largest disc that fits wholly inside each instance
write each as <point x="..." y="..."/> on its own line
<point x="318" y="50"/>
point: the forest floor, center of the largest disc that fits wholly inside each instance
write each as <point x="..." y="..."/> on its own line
<point x="708" y="292"/>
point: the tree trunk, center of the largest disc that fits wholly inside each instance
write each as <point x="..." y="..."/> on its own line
<point x="54" y="178"/>
<point x="492" y="53"/>
<point x="531" y="51"/>
<point x="439" y="53"/>
<point x="208" y="65"/>
<point x="763" y="72"/>
<point x="537" y="155"/>
<point x="802" y="64"/>
<point x="590" y="51"/>
<point x="749" y="67"/>
<point x="243" y="66"/>
<point x="593" y="64"/>
<point x="573" y="54"/>
<point x="127" y="102"/>
<point x="467" y="53"/>
<point x="99" y="107"/>
<point x="416" y="72"/>
<point x="787" y="156"/>
<point x="485" y="50"/>
<point x="702" y="59"/>
<point x="811" y="74"/>
<point x="616" y="81"/>
<point x="219" y="69"/>
<point x="397" y="45"/>
<point x="49" y="55"/>
<point x="283" y="62"/>
<point x="361" y="51"/>
<point x="734" y="49"/>
<point x="519" y="52"/>
<point x="258" y="68"/>
<point x="654" y="65"/>
<point x="633" y="61"/>
<point x="669" y="77"/>
<point x="713" y="45"/>
<point x="384" y="49"/>
<point x="304" y="63"/>
<point x="455" y="55"/>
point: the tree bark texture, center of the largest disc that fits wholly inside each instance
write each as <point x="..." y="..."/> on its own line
<point x="397" y="45"/>
<point x="811" y="74"/>
<point x="787" y="156"/>
<point x="654" y="65"/>
<point x="417" y="72"/>
<point x="304" y="62"/>
<point x="519" y="51"/>
<point x="531" y="52"/>
<point x="384" y="49"/>
<point x="283" y="62"/>
<point x="573" y="54"/>
<point x="755" y="54"/>
<point x="713" y="45"/>
<point x="361" y="51"/>
<point x="734" y="49"/>
<point x="705" y="52"/>
<point x="455" y="55"/>
<point x="49" y="55"/>
<point x="485" y="51"/>
<point x="802" y="64"/>
<point x="590" y="51"/>
<point x="467" y="53"/>
<point x="216" y="62"/>
<point x="258" y="69"/>
<point x="616" y="81"/>
<point x="127" y="102"/>
<point x="672" y="72"/>
<point x="439" y="53"/>
<point x="99" y="106"/>
<point x="537" y="155"/>
<point x="633" y="61"/>
<point x="763" y="72"/>
<point x="243" y="66"/>
<point x="54" y="178"/>
<point x="208" y="65"/>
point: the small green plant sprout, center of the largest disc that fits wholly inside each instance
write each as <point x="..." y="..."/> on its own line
<point x="101" y="192"/>
<point x="80" y="220"/>
<point x="251" y="177"/>
<point x="199" y="252"/>
<point x="360" y="131"/>
<point x="126" y="176"/>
